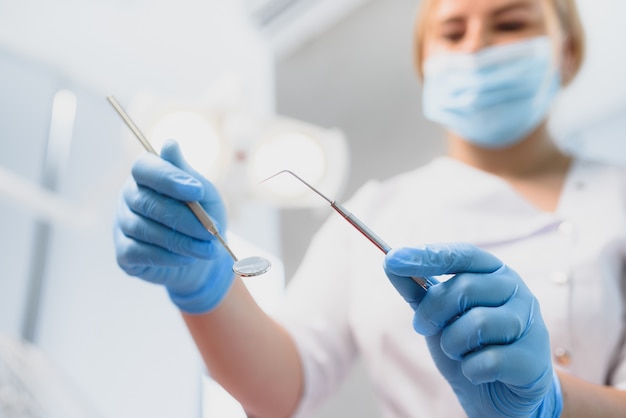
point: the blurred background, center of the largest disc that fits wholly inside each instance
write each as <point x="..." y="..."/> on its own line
<point x="248" y="87"/>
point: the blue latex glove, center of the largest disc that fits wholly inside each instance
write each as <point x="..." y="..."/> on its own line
<point x="158" y="239"/>
<point x="483" y="328"/>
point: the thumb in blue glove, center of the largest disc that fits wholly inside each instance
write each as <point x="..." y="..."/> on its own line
<point x="158" y="239"/>
<point x="483" y="328"/>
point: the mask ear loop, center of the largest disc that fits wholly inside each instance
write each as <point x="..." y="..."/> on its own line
<point x="566" y="63"/>
<point x="553" y="69"/>
<point x="556" y="32"/>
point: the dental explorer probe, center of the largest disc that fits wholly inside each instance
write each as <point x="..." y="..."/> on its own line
<point x="247" y="267"/>
<point x="425" y="283"/>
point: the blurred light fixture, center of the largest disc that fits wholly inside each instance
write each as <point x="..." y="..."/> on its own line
<point x="237" y="149"/>
<point x="194" y="125"/>
<point x="317" y="154"/>
<point x="288" y="150"/>
<point x="196" y="134"/>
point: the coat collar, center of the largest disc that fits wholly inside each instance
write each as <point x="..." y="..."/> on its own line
<point x="447" y="200"/>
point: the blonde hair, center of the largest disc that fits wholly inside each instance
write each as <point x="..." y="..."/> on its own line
<point x="562" y="19"/>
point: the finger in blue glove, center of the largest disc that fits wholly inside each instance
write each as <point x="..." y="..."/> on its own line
<point x="158" y="239"/>
<point x="484" y="330"/>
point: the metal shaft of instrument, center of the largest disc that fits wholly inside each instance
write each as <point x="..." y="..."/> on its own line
<point x="361" y="227"/>
<point x="195" y="207"/>
<point x="375" y="239"/>
<point x="358" y="224"/>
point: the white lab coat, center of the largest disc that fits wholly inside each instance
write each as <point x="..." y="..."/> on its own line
<point x="340" y="303"/>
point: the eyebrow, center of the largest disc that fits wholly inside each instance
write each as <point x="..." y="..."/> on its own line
<point x="512" y="6"/>
<point x="500" y="11"/>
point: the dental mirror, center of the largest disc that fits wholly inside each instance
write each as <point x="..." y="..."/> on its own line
<point x="246" y="267"/>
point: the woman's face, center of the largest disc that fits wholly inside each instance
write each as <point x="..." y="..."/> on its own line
<point x="470" y="25"/>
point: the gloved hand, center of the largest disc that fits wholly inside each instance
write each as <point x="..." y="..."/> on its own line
<point x="483" y="328"/>
<point x="158" y="238"/>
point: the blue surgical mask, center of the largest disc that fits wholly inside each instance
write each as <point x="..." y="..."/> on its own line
<point x="495" y="97"/>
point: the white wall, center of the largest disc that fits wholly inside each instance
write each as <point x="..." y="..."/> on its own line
<point x="599" y="92"/>
<point x="121" y="47"/>
<point x="119" y="340"/>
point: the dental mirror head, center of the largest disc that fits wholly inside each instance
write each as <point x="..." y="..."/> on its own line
<point x="251" y="266"/>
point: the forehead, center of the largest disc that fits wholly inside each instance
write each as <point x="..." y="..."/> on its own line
<point x="444" y="9"/>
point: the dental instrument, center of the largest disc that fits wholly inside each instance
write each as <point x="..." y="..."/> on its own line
<point x="246" y="267"/>
<point x="425" y="283"/>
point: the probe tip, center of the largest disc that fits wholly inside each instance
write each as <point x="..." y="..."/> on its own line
<point x="298" y="177"/>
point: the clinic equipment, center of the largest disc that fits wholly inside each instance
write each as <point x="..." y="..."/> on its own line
<point x="246" y="267"/>
<point x="32" y="385"/>
<point x="425" y="283"/>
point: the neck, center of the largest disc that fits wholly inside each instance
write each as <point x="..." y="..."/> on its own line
<point x="534" y="155"/>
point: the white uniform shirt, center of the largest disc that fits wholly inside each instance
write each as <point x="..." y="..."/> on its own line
<point x="341" y="304"/>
